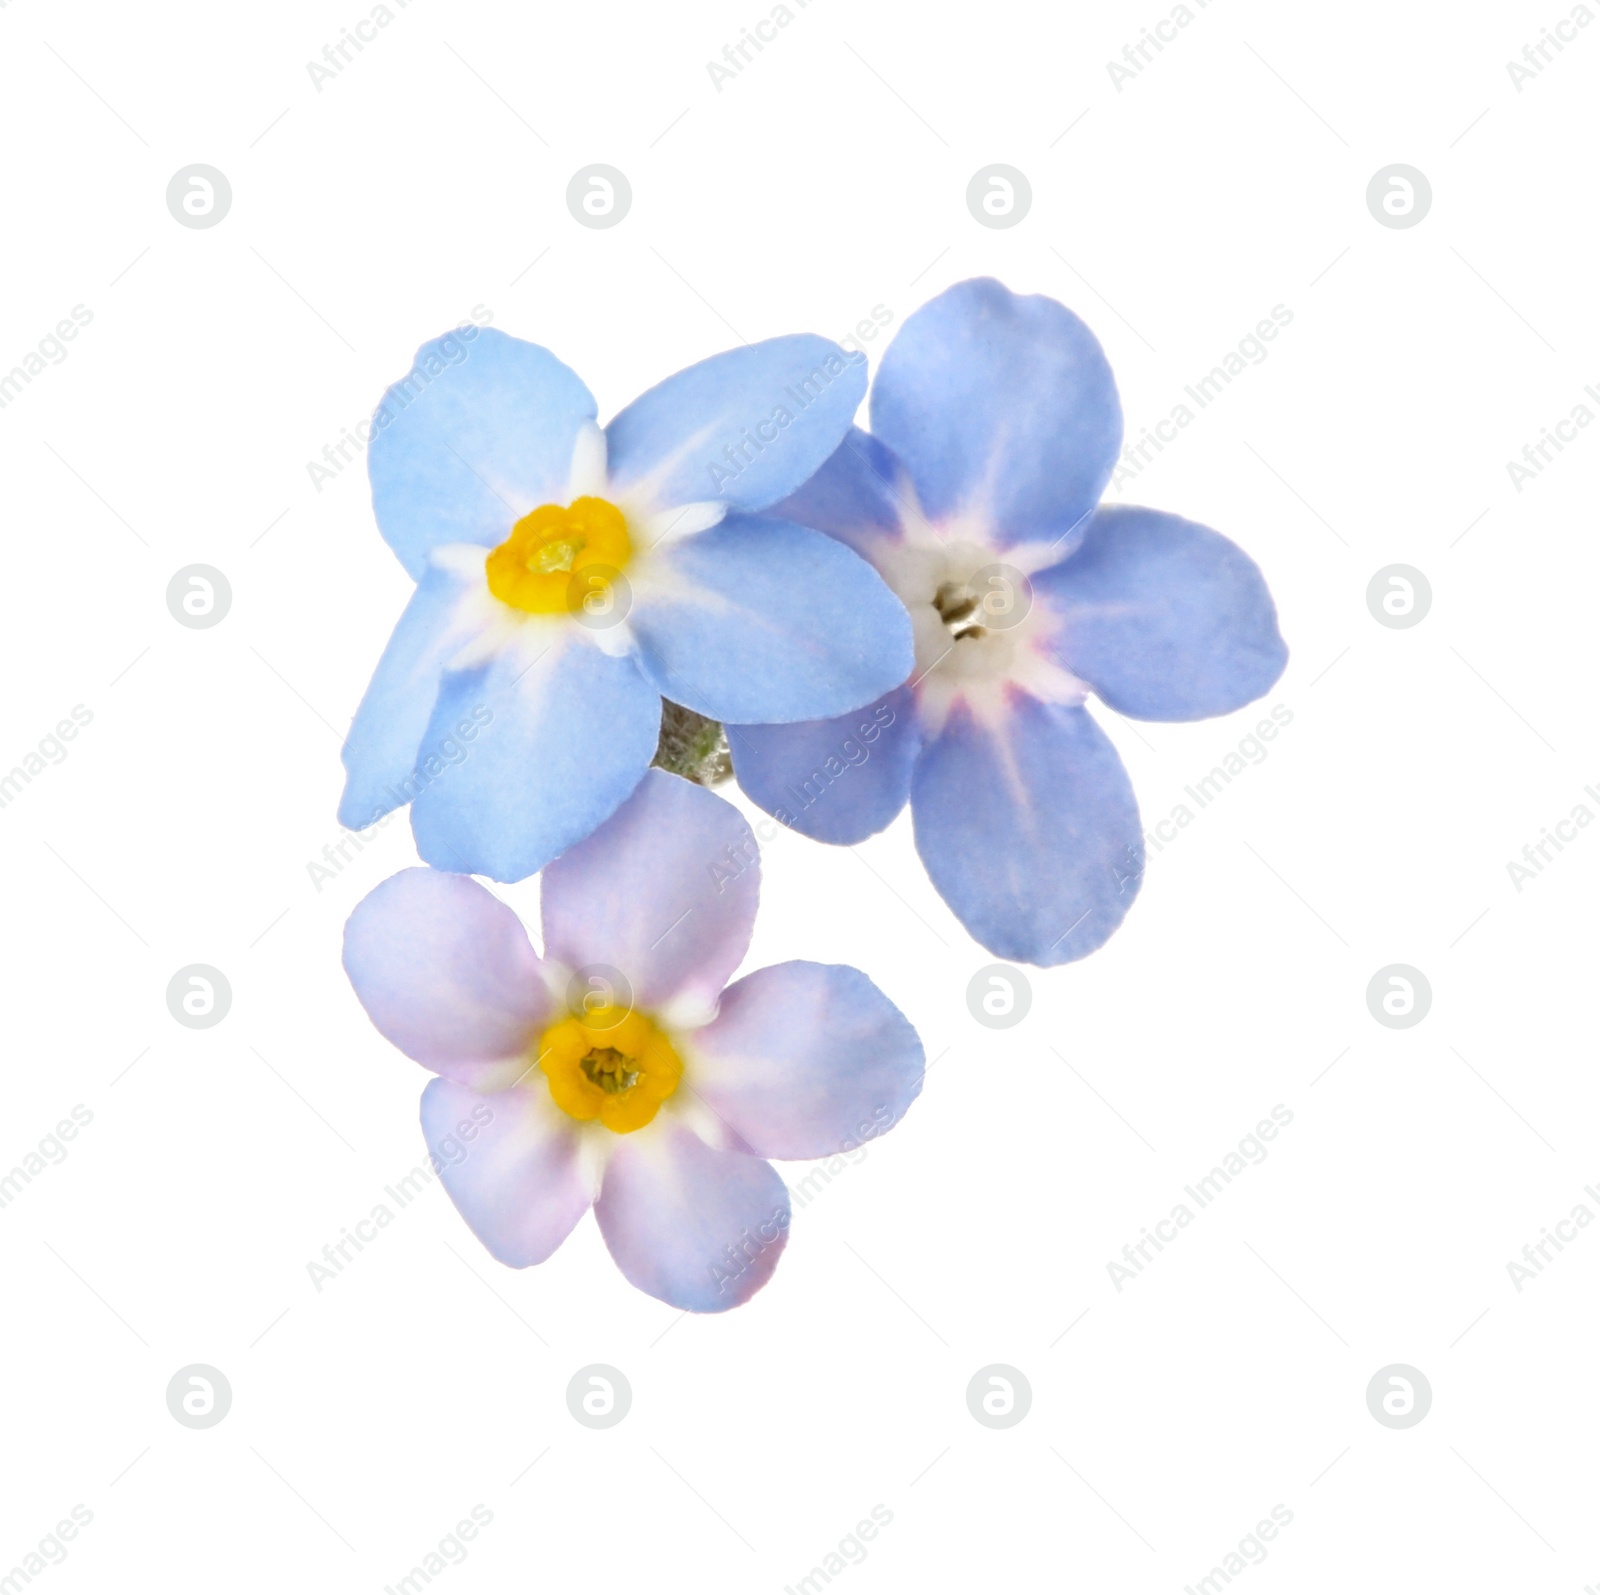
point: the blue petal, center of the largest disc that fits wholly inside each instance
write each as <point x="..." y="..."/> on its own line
<point x="447" y="974"/>
<point x="1001" y="406"/>
<point x="858" y="496"/>
<point x="838" y="780"/>
<point x="480" y="431"/>
<point x="381" y="749"/>
<point x="807" y="1060"/>
<point x="511" y="1165"/>
<point x="1029" y="830"/>
<point x="1165" y="619"/>
<point x="760" y="620"/>
<point x="696" y="1227"/>
<point x="744" y="427"/>
<point x="554" y="747"/>
<point x="664" y="893"/>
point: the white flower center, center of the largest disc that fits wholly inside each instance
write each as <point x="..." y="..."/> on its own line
<point x="977" y="625"/>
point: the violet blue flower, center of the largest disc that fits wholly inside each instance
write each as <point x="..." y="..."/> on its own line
<point x="570" y="578"/>
<point x="615" y="1071"/>
<point x="996" y="426"/>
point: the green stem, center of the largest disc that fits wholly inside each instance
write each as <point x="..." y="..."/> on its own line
<point x="693" y="746"/>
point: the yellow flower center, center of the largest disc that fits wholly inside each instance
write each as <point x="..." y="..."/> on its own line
<point x="612" y="1064"/>
<point x="557" y="557"/>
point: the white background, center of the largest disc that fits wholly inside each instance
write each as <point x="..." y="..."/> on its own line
<point x="428" y="177"/>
